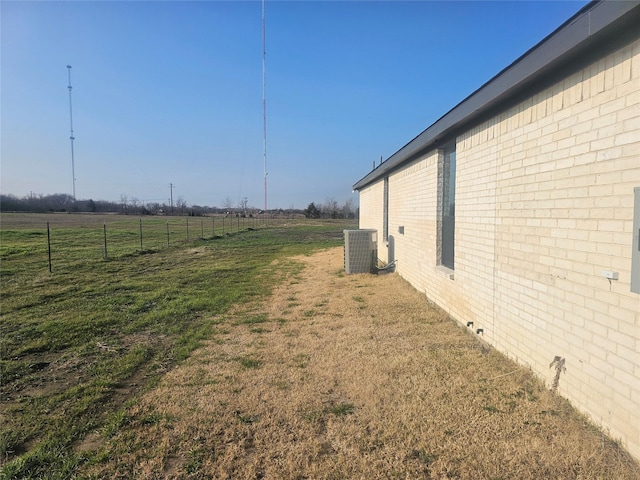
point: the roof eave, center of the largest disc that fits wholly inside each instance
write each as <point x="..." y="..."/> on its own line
<point x="552" y="53"/>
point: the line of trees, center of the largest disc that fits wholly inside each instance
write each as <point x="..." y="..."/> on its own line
<point x="331" y="209"/>
<point x="62" y="202"/>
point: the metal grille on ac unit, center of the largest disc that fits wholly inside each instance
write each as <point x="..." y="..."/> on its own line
<point x="360" y="251"/>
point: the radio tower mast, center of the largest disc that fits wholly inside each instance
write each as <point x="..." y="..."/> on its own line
<point x="264" y="106"/>
<point x="71" y="137"/>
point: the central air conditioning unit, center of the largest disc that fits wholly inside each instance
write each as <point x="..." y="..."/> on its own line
<point x="360" y="251"/>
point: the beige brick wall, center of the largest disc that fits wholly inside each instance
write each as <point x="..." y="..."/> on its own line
<point x="544" y="203"/>
<point x="371" y="200"/>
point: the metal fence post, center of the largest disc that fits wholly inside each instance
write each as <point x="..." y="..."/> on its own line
<point x="105" y="240"/>
<point x="49" y="246"/>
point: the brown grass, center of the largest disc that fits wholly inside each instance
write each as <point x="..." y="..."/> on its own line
<point x="352" y="377"/>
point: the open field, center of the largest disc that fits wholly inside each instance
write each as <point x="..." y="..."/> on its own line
<point x="247" y="357"/>
<point x="86" y="237"/>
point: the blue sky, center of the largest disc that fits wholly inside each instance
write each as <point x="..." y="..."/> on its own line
<point x="171" y="91"/>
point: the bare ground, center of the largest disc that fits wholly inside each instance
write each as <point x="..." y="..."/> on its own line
<point x="352" y="377"/>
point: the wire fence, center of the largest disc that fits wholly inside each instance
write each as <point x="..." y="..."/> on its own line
<point x="68" y="238"/>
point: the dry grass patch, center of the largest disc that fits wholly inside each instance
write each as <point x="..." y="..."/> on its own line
<point x="375" y="383"/>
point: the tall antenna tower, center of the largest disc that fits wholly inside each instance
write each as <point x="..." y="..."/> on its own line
<point x="264" y="105"/>
<point x="71" y="137"/>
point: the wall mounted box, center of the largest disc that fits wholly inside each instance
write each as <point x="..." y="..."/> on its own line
<point x="610" y="274"/>
<point x="635" y="250"/>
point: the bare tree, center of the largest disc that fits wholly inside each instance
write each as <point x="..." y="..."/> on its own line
<point x="347" y="209"/>
<point x="330" y="208"/>
<point x="124" y="202"/>
<point x="227" y="204"/>
<point x="244" y="204"/>
<point x="134" y="204"/>
<point x="181" y="205"/>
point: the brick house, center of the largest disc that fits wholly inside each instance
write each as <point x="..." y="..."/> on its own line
<point x="514" y="212"/>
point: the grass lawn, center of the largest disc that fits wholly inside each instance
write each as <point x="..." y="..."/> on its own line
<point x="80" y="342"/>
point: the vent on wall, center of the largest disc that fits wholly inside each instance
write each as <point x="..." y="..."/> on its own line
<point x="360" y="251"/>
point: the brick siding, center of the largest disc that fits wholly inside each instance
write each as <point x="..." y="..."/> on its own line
<point x="544" y="203"/>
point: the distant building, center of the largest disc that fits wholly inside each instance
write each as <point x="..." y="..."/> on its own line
<point x="514" y="212"/>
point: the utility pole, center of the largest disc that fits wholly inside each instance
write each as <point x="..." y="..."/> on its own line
<point x="264" y="105"/>
<point x="72" y="138"/>
<point x="171" y="197"/>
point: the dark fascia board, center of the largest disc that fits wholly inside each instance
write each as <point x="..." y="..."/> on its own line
<point x="577" y="38"/>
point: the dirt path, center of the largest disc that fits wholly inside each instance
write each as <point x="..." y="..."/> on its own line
<point x="353" y="377"/>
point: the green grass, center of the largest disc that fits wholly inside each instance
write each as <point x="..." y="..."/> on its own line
<point x="78" y="343"/>
<point x="248" y="362"/>
<point x="341" y="409"/>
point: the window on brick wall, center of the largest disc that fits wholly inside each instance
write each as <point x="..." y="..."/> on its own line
<point x="447" y="206"/>
<point x="385" y="211"/>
